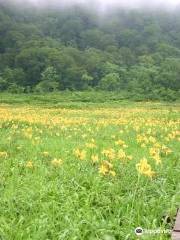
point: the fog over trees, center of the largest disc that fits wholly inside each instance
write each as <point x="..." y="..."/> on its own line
<point x="83" y="45"/>
<point x="100" y="3"/>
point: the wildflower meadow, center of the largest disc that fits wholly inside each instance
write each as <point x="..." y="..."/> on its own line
<point x="88" y="173"/>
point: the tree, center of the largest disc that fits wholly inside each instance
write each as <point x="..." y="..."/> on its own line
<point x="49" y="81"/>
<point x="94" y="61"/>
<point x="110" y="82"/>
<point x="96" y="38"/>
<point x="142" y="79"/>
<point x="3" y="84"/>
<point x="109" y="67"/>
<point x="49" y="75"/>
<point x="33" y="61"/>
<point x="135" y="50"/>
<point x="46" y="86"/>
<point x="77" y="78"/>
<point x="14" y="76"/>
<point x="86" y="80"/>
<point x="127" y="56"/>
<point x="169" y="75"/>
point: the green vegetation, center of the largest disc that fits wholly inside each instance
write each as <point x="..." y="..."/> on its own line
<point x="82" y="173"/>
<point x="76" y="99"/>
<point x="77" y="48"/>
<point x="89" y="122"/>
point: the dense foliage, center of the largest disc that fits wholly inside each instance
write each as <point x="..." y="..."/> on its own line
<point x="77" y="48"/>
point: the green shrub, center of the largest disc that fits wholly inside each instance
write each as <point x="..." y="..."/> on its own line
<point x="14" y="88"/>
<point x="46" y="86"/>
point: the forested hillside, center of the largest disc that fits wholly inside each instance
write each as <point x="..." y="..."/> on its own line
<point x="78" y="48"/>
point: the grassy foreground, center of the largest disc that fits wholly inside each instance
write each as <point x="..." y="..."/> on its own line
<point x="88" y="173"/>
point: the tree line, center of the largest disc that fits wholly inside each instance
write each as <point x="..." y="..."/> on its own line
<point x="76" y="48"/>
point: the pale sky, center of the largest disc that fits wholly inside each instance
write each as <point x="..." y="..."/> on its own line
<point x="124" y="2"/>
<point x="106" y="3"/>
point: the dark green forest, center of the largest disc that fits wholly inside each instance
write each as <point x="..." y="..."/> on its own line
<point x="78" y="48"/>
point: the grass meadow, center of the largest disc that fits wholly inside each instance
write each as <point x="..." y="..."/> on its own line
<point x="87" y="171"/>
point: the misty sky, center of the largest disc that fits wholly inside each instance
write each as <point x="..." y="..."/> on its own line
<point x="107" y="3"/>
